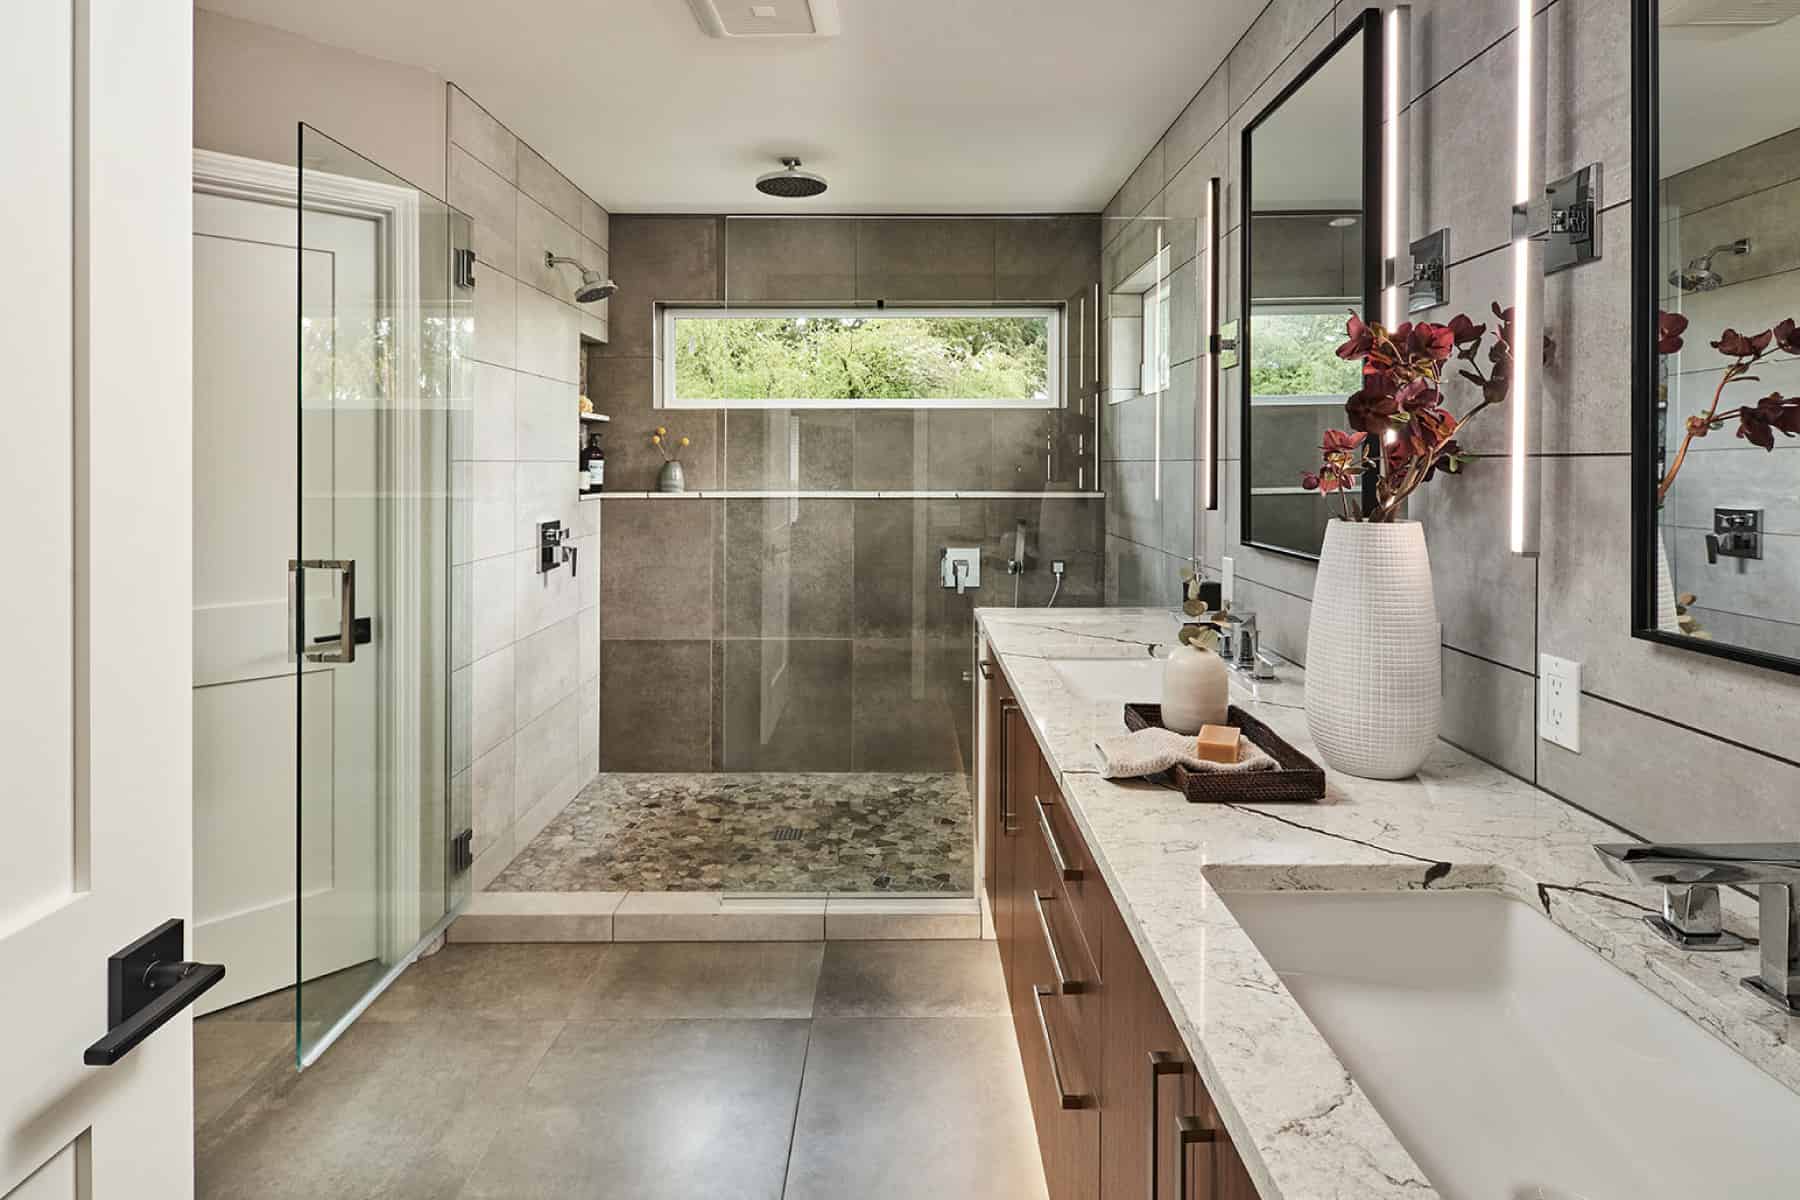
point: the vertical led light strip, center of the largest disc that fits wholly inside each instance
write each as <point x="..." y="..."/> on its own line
<point x="1522" y="501"/>
<point x="1395" y="199"/>
<point x="1209" y="342"/>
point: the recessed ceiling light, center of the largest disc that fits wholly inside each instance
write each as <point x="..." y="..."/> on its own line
<point x="784" y="18"/>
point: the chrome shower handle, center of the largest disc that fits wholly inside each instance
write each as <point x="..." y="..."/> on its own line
<point x="343" y="648"/>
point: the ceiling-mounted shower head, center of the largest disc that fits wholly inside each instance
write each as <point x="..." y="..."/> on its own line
<point x="1699" y="276"/>
<point x="593" y="287"/>
<point x="790" y="183"/>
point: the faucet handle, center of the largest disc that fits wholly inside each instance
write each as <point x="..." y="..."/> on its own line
<point x="1691" y="919"/>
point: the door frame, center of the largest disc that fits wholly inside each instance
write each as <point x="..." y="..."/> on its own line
<point x="394" y="211"/>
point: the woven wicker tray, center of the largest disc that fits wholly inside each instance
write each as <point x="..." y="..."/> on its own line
<point x="1296" y="778"/>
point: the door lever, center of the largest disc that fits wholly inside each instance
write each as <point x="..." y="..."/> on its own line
<point x="147" y="983"/>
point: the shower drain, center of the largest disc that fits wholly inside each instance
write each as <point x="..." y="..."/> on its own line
<point x="787" y="834"/>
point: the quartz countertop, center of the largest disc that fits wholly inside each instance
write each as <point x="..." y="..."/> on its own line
<point x="1301" y="1124"/>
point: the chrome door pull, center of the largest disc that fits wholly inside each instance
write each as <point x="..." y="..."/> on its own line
<point x="343" y="647"/>
<point x="1064" y="985"/>
<point x="1192" y="1132"/>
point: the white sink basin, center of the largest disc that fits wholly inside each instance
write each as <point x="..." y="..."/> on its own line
<point x="1513" y="1062"/>
<point x="1120" y="679"/>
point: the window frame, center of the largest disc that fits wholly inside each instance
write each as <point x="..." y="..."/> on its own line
<point x="669" y="315"/>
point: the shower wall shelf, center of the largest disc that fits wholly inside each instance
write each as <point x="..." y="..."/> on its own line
<point x="734" y="494"/>
<point x="595" y="417"/>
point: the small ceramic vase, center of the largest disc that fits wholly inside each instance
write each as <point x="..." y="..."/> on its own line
<point x="670" y="478"/>
<point x="1196" y="690"/>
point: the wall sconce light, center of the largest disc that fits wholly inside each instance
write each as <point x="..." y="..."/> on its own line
<point x="1209" y="377"/>
<point x="1396" y="210"/>
<point x="1555" y="226"/>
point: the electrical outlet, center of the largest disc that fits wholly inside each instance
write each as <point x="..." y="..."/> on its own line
<point x="1559" y="701"/>
<point x="1227" y="576"/>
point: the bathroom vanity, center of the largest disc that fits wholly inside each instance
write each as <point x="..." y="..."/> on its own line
<point x="1416" y="988"/>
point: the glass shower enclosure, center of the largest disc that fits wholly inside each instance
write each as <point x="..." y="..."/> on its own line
<point x="381" y="324"/>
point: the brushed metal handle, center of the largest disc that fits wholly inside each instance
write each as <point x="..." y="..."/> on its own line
<point x="1007" y="709"/>
<point x="1191" y="1132"/>
<point x="1064" y="985"/>
<point x="1064" y="1097"/>
<point x="1161" y="1063"/>
<point x="987" y="669"/>
<point x="344" y="645"/>
<point x="1057" y="858"/>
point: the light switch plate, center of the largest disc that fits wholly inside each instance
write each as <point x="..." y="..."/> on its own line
<point x="1559" y="701"/>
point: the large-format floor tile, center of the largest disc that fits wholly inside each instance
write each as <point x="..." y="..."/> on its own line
<point x="503" y="982"/>
<point x="393" y="1111"/>
<point x="946" y="1096"/>
<point x="231" y="1056"/>
<point x="652" y="1110"/>
<point x="683" y="979"/>
<point x="912" y="979"/>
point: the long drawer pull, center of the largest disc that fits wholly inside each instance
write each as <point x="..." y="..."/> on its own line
<point x="1161" y="1063"/>
<point x="1064" y="1097"/>
<point x="1192" y="1132"/>
<point x="1007" y="708"/>
<point x="1064" y="985"/>
<point x="1057" y="858"/>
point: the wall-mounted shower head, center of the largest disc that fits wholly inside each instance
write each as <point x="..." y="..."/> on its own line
<point x="1699" y="276"/>
<point x="592" y="288"/>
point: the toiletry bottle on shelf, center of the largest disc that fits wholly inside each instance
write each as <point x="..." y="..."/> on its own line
<point x="596" y="465"/>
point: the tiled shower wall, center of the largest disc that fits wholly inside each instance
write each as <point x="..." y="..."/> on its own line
<point x="1674" y="744"/>
<point x="812" y="634"/>
<point x="526" y="660"/>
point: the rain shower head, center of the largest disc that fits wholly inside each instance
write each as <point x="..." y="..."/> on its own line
<point x="1699" y="276"/>
<point x="592" y="287"/>
<point x="790" y="183"/>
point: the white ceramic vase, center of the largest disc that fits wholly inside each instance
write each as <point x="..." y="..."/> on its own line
<point x="1196" y="690"/>
<point x="1667" y="618"/>
<point x="1373" y="676"/>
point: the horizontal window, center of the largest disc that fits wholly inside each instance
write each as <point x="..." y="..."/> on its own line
<point x="862" y="358"/>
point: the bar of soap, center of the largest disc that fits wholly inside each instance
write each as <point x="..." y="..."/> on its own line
<point x="1217" y="743"/>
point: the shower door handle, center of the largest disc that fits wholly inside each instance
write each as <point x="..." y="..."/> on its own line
<point x="349" y="636"/>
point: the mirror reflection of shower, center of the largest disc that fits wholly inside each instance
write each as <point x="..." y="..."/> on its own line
<point x="592" y="288"/>
<point x="1699" y="275"/>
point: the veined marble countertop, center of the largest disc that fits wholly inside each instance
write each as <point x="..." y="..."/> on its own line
<point x="1304" y="1128"/>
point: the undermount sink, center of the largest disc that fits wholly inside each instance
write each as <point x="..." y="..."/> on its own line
<point x="1137" y="679"/>
<point x="1512" y="1061"/>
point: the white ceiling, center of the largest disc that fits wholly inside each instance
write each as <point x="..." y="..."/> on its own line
<point x="918" y="106"/>
<point x="1724" y="88"/>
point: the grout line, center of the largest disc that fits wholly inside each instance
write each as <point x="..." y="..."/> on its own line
<point x="1693" y="729"/>
<point x="787" y="1164"/>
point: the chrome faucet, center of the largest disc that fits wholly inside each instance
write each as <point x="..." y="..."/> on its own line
<point x="1691" y="876"/>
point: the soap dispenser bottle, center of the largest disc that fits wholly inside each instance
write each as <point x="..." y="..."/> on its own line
<point x="1196" y="685"/>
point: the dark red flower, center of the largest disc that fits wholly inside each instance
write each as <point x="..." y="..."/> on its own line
<point x="1787" y="336"/>
<point x="1669" y="328"/>
<point x="1757" y="423"/>
<point x="1754" y="427"/>
<point x="1464" y="331"/>
<point x="1733" y="344"/>
<point x="1309" y="480"/>
<point x="1426" y="341"/>
<point x="1369" y="411"/>
<point x="1362" y="338"/>
<point x="1418" y="394"/>
<point x="1449" y="460"/>
<point x="1337" y="441"/>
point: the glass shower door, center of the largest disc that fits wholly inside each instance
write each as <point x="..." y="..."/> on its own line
<point x="378" y="334"/>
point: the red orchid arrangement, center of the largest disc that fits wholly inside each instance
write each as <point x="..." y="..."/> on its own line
<point x="1757" y="422"/>
<point x="1400" y="406"/>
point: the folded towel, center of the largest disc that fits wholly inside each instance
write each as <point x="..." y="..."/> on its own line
<point x="1149" y="751"/>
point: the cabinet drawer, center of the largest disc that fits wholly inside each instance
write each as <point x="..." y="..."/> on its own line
<point x="1049" y="823"/>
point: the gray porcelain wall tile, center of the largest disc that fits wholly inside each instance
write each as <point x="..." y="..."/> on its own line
<point x="961" y="448"/>
<point x="1490" y="711"/>
<point x="788" y="568"/>
<point x="901" y="721"/>
<point x="1203" y="117"/>
<point x="889" y="451"/>
<point x="489" y="200"/>
<point x="1485" y="594"/>
<point x="496" y="320"/>
<point x="1277" y="46"/>
<point x="1045" y="258"/>
<point x="1587" y="83"/>
<point x="1022" y="448"/>
<point x="544" y="670"/>
<point x="656" y="711"/>
<point x="1464" y="193"/>
<point x="658" y="259"/>
<point x="479" y="134"/>
<point x="787" y="260"/>
<point x="787" y="704"/>
<point x="925" y="260"/>
<point x="547" y="186"/>
<point x="657" y="578"/>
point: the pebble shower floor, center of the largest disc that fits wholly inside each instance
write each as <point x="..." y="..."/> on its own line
<point x="780" y="832"/>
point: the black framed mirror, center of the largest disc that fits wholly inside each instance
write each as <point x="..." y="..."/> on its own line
<point x="1715" y="353"/>
<point x="1309" y="225"/>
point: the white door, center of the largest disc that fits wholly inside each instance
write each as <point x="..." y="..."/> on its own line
<point x="245" y="837"/>
<point x="95" y="468"/>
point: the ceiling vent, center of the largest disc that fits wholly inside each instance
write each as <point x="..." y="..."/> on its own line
<point x="1726" y="12"/>
<point x="767" y="18"/>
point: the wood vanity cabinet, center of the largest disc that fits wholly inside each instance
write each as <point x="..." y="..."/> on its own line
<point x="1103" y="1061"/>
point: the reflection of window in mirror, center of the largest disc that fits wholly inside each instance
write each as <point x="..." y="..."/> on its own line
<point x="1141" y="310"/>
<point x="1727" y="556"/>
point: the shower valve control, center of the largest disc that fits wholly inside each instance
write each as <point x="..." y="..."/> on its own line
<point x="553" y="547"/>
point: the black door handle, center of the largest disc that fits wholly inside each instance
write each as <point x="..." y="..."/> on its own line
<point x="147" y="983"/>
<point x="363" y="629"/>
